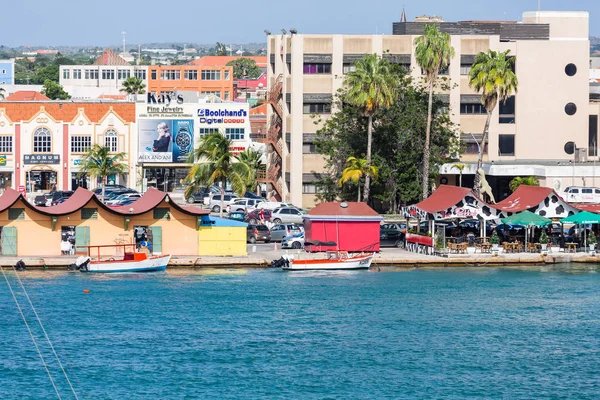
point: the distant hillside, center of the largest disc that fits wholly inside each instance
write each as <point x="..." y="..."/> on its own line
<point x="595" y="46"/>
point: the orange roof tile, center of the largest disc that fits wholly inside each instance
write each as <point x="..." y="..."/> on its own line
<point x="67" y="111"/>
<point x="260" y="110"/>
<point x="113" y="96"/>
<point x="26" y="95"/>
<point x="109" y="57"/>
<point x="261" y="61"/>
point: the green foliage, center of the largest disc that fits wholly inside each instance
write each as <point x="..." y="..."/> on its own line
<point x="54" y="91"/>
<point x="221" y="49"/>
<point x="252" y="159"/>
<point x="519" y="180"/>
<point x="544" y="237"/>
<point x="591" y="239"/>
<point x="2" y="91"/>
<point x="355" y="169"/>
<point x="244" y="65"/>
<point x="495" y="239"/>
<point x="133" y="85"/>
<point x="398" y="142"/>
<point x="98" y="162"/>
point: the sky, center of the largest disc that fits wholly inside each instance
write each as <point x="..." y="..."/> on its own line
<point x="100" y="23"/>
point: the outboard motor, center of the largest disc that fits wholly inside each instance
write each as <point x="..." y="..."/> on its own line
<point x="80" y="264"/>
<point x="20" y="266"/>
<point x="283" y="262"/>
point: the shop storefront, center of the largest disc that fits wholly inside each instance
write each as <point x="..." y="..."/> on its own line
<point x="167" y="179"/>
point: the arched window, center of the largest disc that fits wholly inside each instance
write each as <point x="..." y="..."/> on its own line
<point x="42" y="141"/>
<point x="111" y="140"/>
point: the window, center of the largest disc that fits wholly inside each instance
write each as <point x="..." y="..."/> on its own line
<point x="66" y="74"/>
<point x="472" y="108"/>
<point x="574" y="191"/>
<point x="571" y="69"/>
<point x="91" y="74"/>
<point x="309" y="148"/>
<point x="89" y="213"/>
<point x="213" y="92"/>
<point x="123" y="73"/>
<point x="235" y="133"/>
<point x="227" y="95"/>
<point x="317" y="108"/>
<point x="16" y="213"/>
<point x="206" y="131"/>
<point x="190" y="75"/>
<point x="211" y="75"/>
<point x="586" y="191"/>
<point x="507" y="111"/>
<point x="593" y="136"/>
<point x="79" y="144"/>
<point x="3" y="71"/>
<point x="108" y="74"/>
<point x="348" y="68"/>
<point x="272" y="67"/>
<point x="317" y="68"/>
<point x="506" y="145"/>
<point x="6" y="144"/>
<point x="309" y="188"/>
<point x="170" y="75"/>
<point x="227" y="75"/>
<point x="465" y="69"/>
<point x="42" y="141"/>
<point x="140" y="74"/>
<point x="473" y="148"/>
<point x="76" y="74"/>
<point x="162" y="213"/>
<point x="111" y="140"/>
<point x="153" y="75"/>
<point x="442" y="71"/>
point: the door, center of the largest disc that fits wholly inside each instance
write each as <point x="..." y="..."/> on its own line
<point x="9" y="241"/>
<point x="156" y="239"/>
<point x="82" y="239"/>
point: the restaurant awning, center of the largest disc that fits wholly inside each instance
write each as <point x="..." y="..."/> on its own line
<point x="526" y="218"/>
<point x="584" y="217"/>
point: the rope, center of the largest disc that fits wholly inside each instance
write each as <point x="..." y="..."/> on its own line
<point x="31" y="334"/>
<point x="46" y="334"/>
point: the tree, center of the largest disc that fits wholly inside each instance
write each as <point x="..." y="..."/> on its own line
<point x="252" y="159"/>
<point x="433" y="53"/>
<point x="54" y="91"/>
<point x="246" y="65"/>
<point x="460" y="167"/>
<point x="221" y="49"/>
<point x="356" y="169"/>
<point x="371" y="86"/>
<point x="492" y="75"/>
<point x="98" y="162"/>
<point x="2" y="91"/>
<point x="214" y="163"/>
<point x="133" y="85"/>
<point x="519" y="180"/>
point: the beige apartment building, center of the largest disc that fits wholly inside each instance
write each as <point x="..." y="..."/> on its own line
<point x="527" y="134"/>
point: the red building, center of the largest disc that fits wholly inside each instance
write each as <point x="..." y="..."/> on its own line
<point x="353" y="226"/>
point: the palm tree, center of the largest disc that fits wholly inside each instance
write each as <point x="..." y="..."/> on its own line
<point x="221" y="49"/>
<point x="519" y="180"/>
<point x="214" y="163"/>
<point x="492" y="75"/>
<point x="1" y="94"/>
<point x="252" y="159"/>
<point x="98" y="162"/>
<point x="355" y="169"/>
<point x="133" y="85"/>
<point x="460" y="167"/>
<point x="373" y="85"/>
<point x="433" y="52"/>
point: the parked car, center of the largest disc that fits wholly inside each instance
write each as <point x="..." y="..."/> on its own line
<point x="255" y="233"/>
<point x="293" y="241"/>
<point x="253" y="216"/>
<point x="120" y="198"/>
<point x="250" y="195"/>
<point x="242" y="204"/>
<point x="272" y="205"/>
<point x="43" y="199"/>
<point x="392" y="235"/>
<point x="202" y="195"/>
<point x="287" y="215"/>
<point x="237" y="216"/>
<point x="214" y="202"/>
<point x="279" y="232"/>
<point x="59" y="194"/>
<point x="109" y="188"/>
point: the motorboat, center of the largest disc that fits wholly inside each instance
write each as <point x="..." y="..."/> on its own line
<point x="131" y="260"/>
<point x="333" y="260"/>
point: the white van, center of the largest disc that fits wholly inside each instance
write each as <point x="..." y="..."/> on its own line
<point x="582" y="194"/>
<point x="271" y="205"/>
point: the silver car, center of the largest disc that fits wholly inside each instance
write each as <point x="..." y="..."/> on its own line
<point x="281" y="231"/>
<point x="287" y="215"/>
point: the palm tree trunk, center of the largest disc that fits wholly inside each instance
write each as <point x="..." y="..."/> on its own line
<point x="486" y="130"/>
<point x="427" y="141"/>
<point x="223" y="182"/>
<point x="358" y="193"/>
<point x="460" y="178"/>
<point x="103" y="189"/>
<point x="367" y="187"/>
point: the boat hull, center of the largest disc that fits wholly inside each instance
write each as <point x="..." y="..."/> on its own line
<point x="147" y="265"/>
<point x="358" y="262"/>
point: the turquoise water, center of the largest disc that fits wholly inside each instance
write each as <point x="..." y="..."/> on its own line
<point x="420" y="334"/>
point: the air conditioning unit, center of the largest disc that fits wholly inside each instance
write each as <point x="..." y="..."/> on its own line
<point x="581" y="154"/>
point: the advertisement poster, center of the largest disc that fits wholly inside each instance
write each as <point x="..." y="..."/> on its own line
<point x="165" y="140"/>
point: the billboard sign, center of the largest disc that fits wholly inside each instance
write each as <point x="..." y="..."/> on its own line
<point x="223" y="113"/>
<point x="165" y="140"/>
<point x="29" y="159"/>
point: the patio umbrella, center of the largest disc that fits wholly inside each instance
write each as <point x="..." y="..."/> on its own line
<point x="528" y="219"/>
<point x="582" y="218"/>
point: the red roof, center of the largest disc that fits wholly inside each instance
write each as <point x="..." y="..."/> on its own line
<point x="524" y="198"/>
<point x="252" y="84"/>
<point x="8" y="198"/>
<point x="334" y="210"/>
<point x="26" y="95"/>
<point x="221" y="61"/>
<point x="151" y="199"/>
<point x="109" y="57"/>
<point x="595" y="208"/>
<point x="443" y="198"/>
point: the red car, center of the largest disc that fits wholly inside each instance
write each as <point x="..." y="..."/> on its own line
<point x="254" y="218"/>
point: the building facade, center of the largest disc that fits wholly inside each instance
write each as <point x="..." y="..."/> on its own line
<point x="527" y="134"/>
<point x="7" y="72"/>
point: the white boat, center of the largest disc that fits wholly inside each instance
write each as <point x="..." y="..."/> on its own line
<point x="131" y="261"/>
<point x="335" y="260"/>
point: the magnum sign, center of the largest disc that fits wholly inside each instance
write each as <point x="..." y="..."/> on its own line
<point x="41" y="159"/>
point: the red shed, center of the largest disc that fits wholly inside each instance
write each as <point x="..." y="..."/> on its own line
<point x="353" y="226"/>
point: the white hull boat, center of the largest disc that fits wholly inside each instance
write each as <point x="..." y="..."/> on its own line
<point x="335" y="261"/>
<point x="130" y="260"/>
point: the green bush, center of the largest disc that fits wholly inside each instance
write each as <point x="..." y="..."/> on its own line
<point x="544" y="238"/>
<point x="592" y="239"/>
<point x="495" y="239"/>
